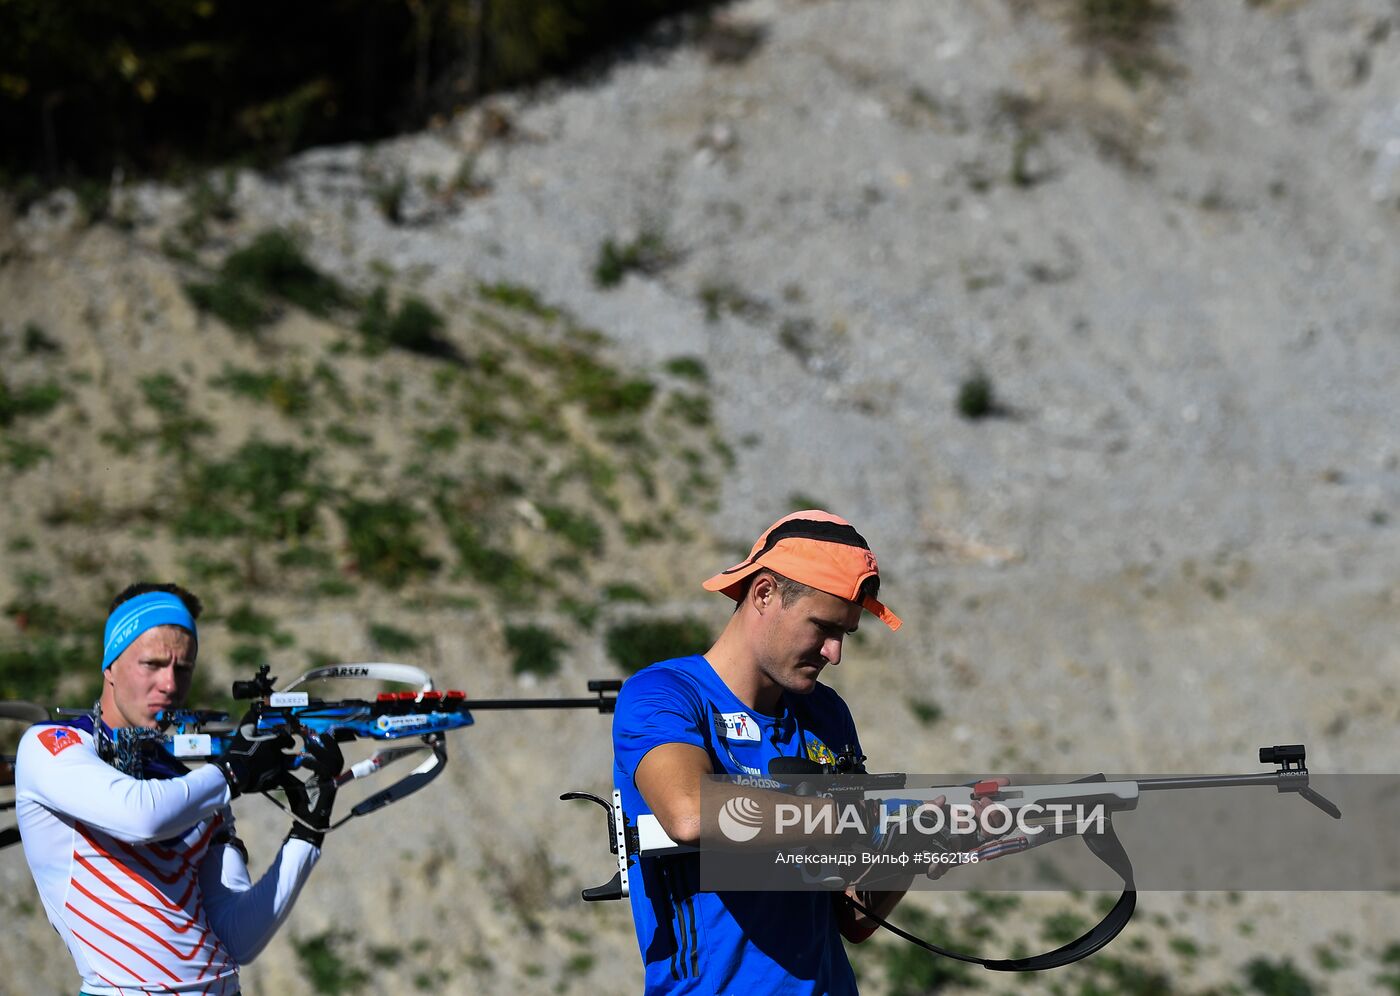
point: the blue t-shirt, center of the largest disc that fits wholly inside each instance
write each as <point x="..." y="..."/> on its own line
<point x="723" y="943"/>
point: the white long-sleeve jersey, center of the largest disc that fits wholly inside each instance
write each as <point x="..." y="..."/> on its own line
<point x="134" y="874"/>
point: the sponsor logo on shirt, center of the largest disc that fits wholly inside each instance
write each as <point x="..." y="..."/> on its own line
<point x="736" y="726"/>
<point x="58" y="739"/>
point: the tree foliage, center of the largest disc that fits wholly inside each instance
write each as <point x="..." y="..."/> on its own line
<point x="147" y="85"/>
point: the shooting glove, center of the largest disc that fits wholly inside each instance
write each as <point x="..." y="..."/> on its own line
<point x="253" y="761"/>
<point x="905" y="840"/>
<point x="311" y="801"/>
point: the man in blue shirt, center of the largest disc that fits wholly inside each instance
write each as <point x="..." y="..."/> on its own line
<point x="752" y="697"/>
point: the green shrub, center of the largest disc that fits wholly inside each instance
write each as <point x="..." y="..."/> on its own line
<point x="32" y="666"/>
<point x="1129" y="22"/>
<point x="264" y="491"/>
<point x="235" y="305"/>
<point x="178" y="429"/>
<point x="911" y="972"/>
<point x="977" y="397"/>
<point x="36" y="341"/>
<point x="1125" y="31"/>
<point x="393" y="640"/>
<point x="647" y="254"/>
<point x="578" y="529"/>
<point x="207" y="201"/>
<point x="1277" y="978"/>
<point x="248" y="621"/>
<point x="415" y="326"/>
<point x="518" y="297"/>
<point x="718" y="297"/>
<point x="21" y="454"/>
<point x="534" y="650"/>
<point x="601" y="389"/>
<point x="384" y="541"/>
<point x="688" y="367"/>
<point x="289" y="393"/>
<point x="635" y="644"/>
<point x="247" y="656"/>
<point x="692" y="409"/>
<point x="157" y="84"/>
<point x="270" y="268"/>
<point x="388" y="193"/>
<point x="501" y="569"/>
<point x="622" y="591"/>
<point x="27" y="401"/>
<point x="926" y="711"/>
<point x="325" y="967"/>
<point x="273" y="264"/>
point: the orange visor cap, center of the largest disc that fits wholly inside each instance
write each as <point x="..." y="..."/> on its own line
<point x="815" y="548"/>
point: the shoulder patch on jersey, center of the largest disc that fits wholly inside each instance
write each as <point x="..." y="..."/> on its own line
<point x="736" y="726"/>
<point x="58" y="739"/>
<point x="820" y="752"/>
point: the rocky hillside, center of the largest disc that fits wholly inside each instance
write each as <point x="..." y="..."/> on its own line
<point x="1084" y="312"/>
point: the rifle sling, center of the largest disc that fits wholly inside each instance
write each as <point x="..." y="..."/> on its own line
<point x="1107" y="848"/>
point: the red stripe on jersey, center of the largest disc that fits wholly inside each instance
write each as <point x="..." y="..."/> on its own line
<point x="190" y="915"/>
<point x="198" y="945"/>
<point x="123" y="941"/>
<point x="118" y="863"/>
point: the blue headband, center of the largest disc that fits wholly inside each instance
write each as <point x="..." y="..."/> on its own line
<point x="134" y="616"/>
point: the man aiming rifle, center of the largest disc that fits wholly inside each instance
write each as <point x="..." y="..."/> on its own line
<point x="135" y="856"/>
<point x="752" y="697"/>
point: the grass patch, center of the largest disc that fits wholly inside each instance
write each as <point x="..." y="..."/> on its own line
<point x="692" y="409"/>
<point x="688" y="368"/>
<point x="264" y="491"/>
<point x="926" y="711"/>
<point x="622" y="591"/>
<point x="384" y="541"/>
<point x="602" y="390"/>
<point x="393" y="640"/>
<point x="389" y="193"/>
<point x="648" y="254"/>
<point x="579" y="529"/>
<point x="235" y="305"/>
<point x="27" y="402"/>
<point x="1277" y="978"/>
<point x="177" y="429"/>
<point x="415" y="326"/>
<point x="270" y="269"/>
<point x="20" y="454"/>
<point x="977" y="398"/>
<point x="478" y="558"/>
<point x="911" y="972"/>
<point x="720" y="296"/>
<point x="36" y="342"/>
<point x="32" y="667"/>
<point x="324" y="965"/>
<point x="517" y="297"/>
<point x="248" y="621"/>
<point x="274" y="265"/>
<point x="289" y="393"/>
<point x="533" y="650"/>
<point x="1125" y="32"/>
<point x="635" y="644"/>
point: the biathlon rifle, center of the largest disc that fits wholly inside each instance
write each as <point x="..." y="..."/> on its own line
<point x="26" y="713"/>
<point x="644" y="837"/>
<point x="415" y="721"/>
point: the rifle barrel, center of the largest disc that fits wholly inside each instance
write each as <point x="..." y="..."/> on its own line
<point x="600" y="704"/>
<point x="1207" y="781"/>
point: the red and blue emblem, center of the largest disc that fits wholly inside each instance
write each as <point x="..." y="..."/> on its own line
<point x="58" y="739"/>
